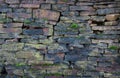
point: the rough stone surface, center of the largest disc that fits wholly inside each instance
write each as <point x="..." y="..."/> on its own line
<point x="47" y="14"/>
<point x="13" y="46"/>
<point x="60" y="38"/>
<point x="112" y="17"/>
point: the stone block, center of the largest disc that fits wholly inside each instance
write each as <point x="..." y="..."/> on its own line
<point x="51" y="1"/>
<point x="33" y="32"/>
<point x="112" y="17"/>
<point x="11" y="30"/>
<point x="18" y="72"/>
<point x="46" y="41"/>
<point x="38" y="62"/>
<point x="104" y="41"/>
<point x="75" y="57"/>
<point x="69" y="72"/>
<point x="12" y="1"/>
<point x="60" y="7"/>
<point x="29" y="55"/>
<point x="8" y="36"/>
<point x="36" y="46"/>
<point x="110" y="23"/>
<point x="82" y="8"/>
<point x="66" y="40"/>
<point x="55" y="48"/>
<point x="84" y="3"/>
<point x="46" y="14"/>
<point x="13" y="46"/>
<point x="86" y="13"/>
<point x="98" y="18"/>
<point x="102" y="28"/>
<point x="13" y="25"/>
<point x="5" y="10"/>
<point x="105" y="11"/>
<point x="111" y="32"/>
<point x="29" y="5"/>
<point x="45" y="6"/>
<point x="2" y="41"/>
<point x="19" y="15"/>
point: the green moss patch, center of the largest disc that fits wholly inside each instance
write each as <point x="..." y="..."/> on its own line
<point x="113" y="47"/>
<point x="74" y="26"/>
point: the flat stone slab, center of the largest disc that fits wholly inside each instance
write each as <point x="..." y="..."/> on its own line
<point x="46" y="14"/>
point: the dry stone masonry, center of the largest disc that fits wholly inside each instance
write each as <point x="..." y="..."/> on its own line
<point x="59" y="38"/>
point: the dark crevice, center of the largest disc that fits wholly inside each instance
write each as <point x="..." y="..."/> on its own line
<point x="27" y="27"/>
<point x="3" y="71"/>
<point x="97" y="32"/>
<point x="98" y="23"/>
<point x="19" y="39"/>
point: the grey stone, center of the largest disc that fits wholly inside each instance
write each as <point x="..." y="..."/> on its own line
<point x="98" y="18"/>
<point x="33" y="32"/>
<point x="13" y="46"/>
<point x="67" y="13"/>
<point x="81" y="8"/>
<point x="53" y="57"/>
<point x="59" y="49"/>
<point x="5" y="10"/>
<point x="105" y="11"/>
<point x="60" y="7"/>
<point x="66" y="40"/>
<point x="74" y="57"/>
<point x="2" y="41"/>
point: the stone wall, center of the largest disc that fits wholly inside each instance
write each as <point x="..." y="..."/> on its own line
<point x="60" y="38"/>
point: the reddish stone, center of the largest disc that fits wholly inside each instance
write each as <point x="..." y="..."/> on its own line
<point x="10" y="30"/>
<point x="46" y="14"/>
<point x="65" y="2"/>
<point x="29" y="5"/>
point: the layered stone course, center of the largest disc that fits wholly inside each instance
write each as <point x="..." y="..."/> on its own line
<point x="59" y="39"/>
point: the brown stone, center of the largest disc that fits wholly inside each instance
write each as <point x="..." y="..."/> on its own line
<point x="29" y="5"/>
<point x="112" y="17"/>
<point x="46" y="14"/>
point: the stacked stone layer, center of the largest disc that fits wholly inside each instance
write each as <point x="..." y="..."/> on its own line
<point x="60" y="38"/>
